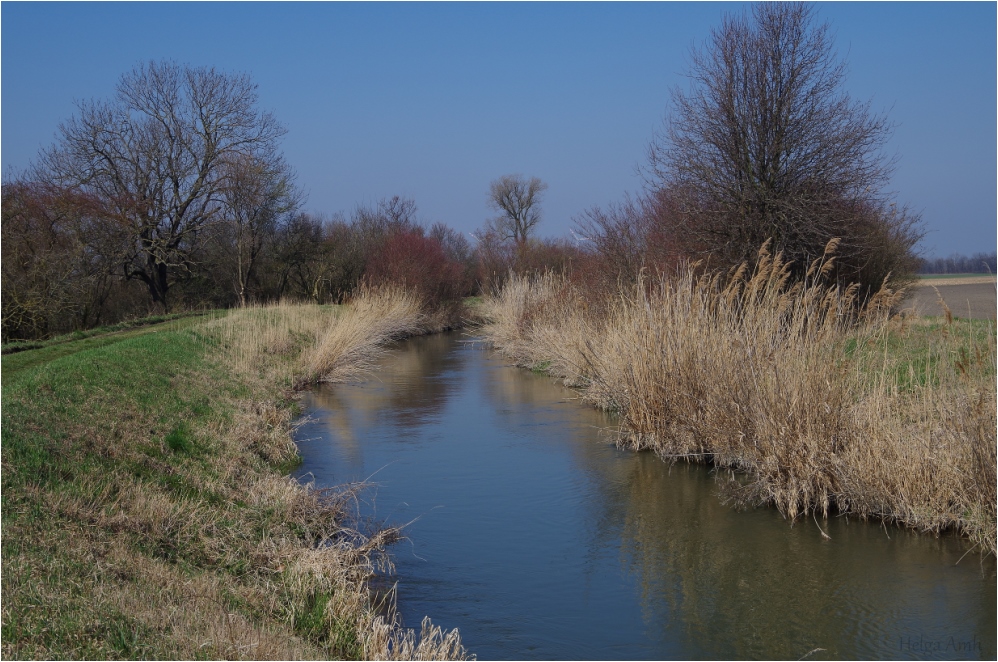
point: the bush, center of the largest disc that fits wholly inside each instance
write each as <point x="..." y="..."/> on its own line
<point x="413" y="260"/>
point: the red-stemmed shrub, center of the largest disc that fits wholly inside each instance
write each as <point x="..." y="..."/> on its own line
<point x="413" y="260"/>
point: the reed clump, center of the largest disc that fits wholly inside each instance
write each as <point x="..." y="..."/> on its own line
<point x="302" y="344"/>
<point x="349" y="348"/>
<point x="811" y="402"/>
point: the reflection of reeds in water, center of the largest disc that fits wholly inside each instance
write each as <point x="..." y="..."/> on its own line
<point x="406" y="391"/>
<point x="822" y="405"/>
<point x="705" y="569"/>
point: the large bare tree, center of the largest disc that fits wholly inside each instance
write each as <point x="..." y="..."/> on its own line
<point x="517" y="199"/>
<point x="153" y="156"/>
<point x="766" y="144"/>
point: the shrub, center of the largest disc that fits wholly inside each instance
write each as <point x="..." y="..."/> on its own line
<point x="412" y="260"/>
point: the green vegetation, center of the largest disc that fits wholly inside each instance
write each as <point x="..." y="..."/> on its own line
<point x="22" y="345"/>
<point x="146" y="513"/>
<point x="951" y="276"/>
<point x="915" y="353"/>
<point x="49" y="350"/>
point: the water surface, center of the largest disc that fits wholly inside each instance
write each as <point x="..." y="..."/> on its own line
<point x="533" y="535"/>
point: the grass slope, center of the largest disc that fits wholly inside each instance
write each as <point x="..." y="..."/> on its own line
<point x="146" y="511"/>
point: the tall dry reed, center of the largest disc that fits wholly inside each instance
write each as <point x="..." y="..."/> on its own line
<point x="349" y="347"/>
<point x="814" y="403"/>
<point x="304" y="344"/>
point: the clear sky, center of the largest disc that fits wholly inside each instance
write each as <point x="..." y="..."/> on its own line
<point x="433" y="101"/>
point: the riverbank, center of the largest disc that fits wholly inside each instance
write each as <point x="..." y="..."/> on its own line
<point x="146" y="506"/>
<point x="810" y="406"/>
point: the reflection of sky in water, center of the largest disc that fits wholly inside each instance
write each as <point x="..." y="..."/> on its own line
<point x="538" y="539"/>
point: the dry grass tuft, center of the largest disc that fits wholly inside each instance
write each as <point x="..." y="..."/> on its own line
<point x="386" y="641"/>
<point x="818" y="405"/>
<point x="349" y="348"/>
<point x="303" y="344"/>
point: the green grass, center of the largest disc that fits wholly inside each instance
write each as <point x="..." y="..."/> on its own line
<point x="13" y="346"/>
<point x="949" y="276"/>
<point x="21" y="355"/>
<point x="80" y="419"/>
<point x="912" y="355"/>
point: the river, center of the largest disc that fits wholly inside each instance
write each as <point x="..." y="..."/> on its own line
<point x="533" y="535"/>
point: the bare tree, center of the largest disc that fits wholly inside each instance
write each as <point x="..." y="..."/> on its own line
<point x="390" y="215"/>
<point x="517" y="198"/>
<point x="153" y="156"/>
<point x="767" y="145"/>
<point x="258" y="193"/>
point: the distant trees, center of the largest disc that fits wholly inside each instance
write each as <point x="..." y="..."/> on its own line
<point x="767" y="145"/>
<point x="508" y="243"/>
<point x="62" y="254"/>
<point x="174" y="193"/>
<point x="324" y="260"/>
<point x="517" y="199"/>
<point x="400" y="250"/>
<point x="160" y="160"/>
<point x="978" y="263"/>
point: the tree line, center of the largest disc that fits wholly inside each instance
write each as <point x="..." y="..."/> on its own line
<point x="68" y="265"/>
<point x="174" y="194"/>
<point x="978" y="263"/>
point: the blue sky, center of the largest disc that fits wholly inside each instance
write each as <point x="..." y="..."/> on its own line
<point x="433" y="101"/>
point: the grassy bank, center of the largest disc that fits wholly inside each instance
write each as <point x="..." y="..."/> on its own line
<point x="146" y="508"/>
<point x="105" y="332"/>
<point x="805" y="403"/>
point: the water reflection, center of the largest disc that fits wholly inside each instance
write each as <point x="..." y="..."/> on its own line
<point x="747" y="586"/>
<point x="539" y="540"/>
<point x="385" y="399"/>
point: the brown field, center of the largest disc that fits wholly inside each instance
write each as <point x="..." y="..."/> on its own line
<point x="970" y="298"/>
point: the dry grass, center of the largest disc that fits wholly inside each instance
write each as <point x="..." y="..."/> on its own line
<point x="812" y="405"/>
<point x="303" y="344"/>
<point x="350" y="347"/>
